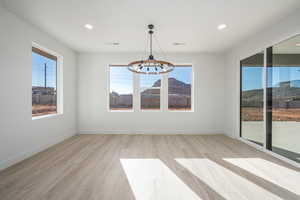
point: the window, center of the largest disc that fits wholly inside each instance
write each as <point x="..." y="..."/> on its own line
<point x="44" y="83"/>
<point x="121" y="88"/>
<point x="150" y="86"/>
<point x="129" y="91"/>
<point x="179" y="88"/>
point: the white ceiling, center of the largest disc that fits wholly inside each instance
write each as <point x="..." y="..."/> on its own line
<point x="288" y="46"/>
<point x="193" y="22"/>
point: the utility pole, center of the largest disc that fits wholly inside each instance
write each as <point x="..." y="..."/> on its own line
<point x="45" y="75"/>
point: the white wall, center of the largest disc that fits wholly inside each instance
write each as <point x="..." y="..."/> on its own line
<point x="282" y="30"/>
<point x="20" y="136"/>
<point x="94" y="117"/>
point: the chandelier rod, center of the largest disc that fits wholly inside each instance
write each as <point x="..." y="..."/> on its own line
<point x="150" y="43"/>
<point x="151" y="27"/>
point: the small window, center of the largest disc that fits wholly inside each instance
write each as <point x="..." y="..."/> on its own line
<point x="150" y="86"/>
<point x="180" y="89"/>
<point x="44" y="83"/>
<point x="121" y="88"/>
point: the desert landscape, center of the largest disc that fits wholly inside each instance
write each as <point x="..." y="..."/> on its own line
<point x="278" y="114"/>
<point x="285" y="103"/>
<point x="43" y="101"/>
<point x="38" y="110"/>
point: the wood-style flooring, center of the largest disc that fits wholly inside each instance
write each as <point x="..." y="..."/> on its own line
<point x="144" y="167"/>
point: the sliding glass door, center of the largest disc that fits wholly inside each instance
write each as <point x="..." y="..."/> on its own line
<point x="252" y="99"/>
<point x="270" y="106"/>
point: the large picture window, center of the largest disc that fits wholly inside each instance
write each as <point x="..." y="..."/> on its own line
<point x="44" y="83"/>
<point x="180" y="88"/>
<point x="150" y="92"/>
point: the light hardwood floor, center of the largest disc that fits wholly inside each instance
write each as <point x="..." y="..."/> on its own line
<point x="144" y="167"/>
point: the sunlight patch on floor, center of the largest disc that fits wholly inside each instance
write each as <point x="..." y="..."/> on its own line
<point x="274" y="173"/>
<point x="151" y="179"/>
<point x="226" y="183"/>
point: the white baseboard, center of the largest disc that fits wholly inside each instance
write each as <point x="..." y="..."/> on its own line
<point x="229" y="135"/>
<point x="22" y="156"/>
<point x="256" y="146"/>
<point x="153" y="132"/>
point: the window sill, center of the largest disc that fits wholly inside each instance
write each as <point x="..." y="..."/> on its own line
<point x="182" y="111"/>
<point x="150" y="110"/>
<point x="154" y="110"/>
<point x="46" y="116"/>
<point x="126" y="111"/>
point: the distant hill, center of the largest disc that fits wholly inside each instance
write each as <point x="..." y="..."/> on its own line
<point x="285" y="94"/>
<point x="293" y="83"/>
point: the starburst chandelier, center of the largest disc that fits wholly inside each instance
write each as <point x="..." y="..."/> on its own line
<point x="150" y="65"/>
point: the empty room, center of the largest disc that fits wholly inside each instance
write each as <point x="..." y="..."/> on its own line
<point x="150" y="100"/>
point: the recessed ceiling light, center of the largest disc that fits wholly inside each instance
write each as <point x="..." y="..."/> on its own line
<point x="222" y="26"/>
<point x="89" y="26"/>
<point x="178" y="43"/>
<point x="298" y="45"/>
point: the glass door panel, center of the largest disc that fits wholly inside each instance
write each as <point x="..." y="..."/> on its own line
<point x="285" y="82"/>
<point x="252" y="99"/>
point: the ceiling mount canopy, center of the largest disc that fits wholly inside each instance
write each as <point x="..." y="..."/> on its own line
<point x="150" y="65"/>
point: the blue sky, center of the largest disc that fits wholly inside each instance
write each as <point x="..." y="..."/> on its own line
<point x="38" y="71"/>
<point x="121" y="79"/>
<point x="252" y="76"/>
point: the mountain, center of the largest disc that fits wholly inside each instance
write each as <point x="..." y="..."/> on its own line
<point x="179" y="87"/>
<point x="175" y="87"/>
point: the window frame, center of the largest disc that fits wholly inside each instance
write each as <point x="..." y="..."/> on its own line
<point x="136" y="98"/>
<point x="59" y="81"/>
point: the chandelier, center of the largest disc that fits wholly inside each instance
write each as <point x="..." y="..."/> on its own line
<point x="150" y="65"/>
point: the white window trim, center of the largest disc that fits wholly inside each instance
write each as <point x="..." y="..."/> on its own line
<point x="136" y="99"/>
<point x="59" y="82"/>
